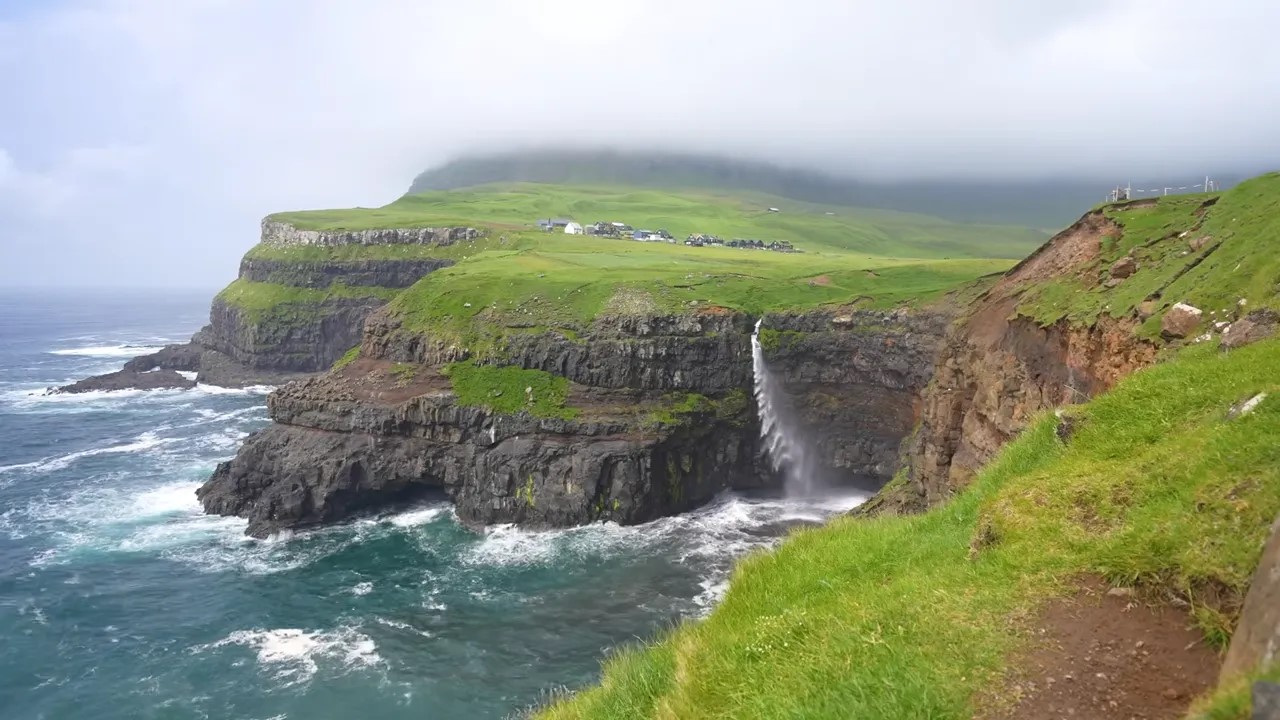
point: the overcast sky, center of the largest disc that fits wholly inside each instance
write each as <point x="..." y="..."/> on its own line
<point x="142" y="140"/>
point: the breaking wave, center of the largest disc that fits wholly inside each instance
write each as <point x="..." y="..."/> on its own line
<point x="293" y="656"/>
<point x="109" y="350"/>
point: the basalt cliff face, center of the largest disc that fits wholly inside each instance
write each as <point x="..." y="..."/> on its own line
<point x="662" y="419"/>
<point x="298" y="306"/>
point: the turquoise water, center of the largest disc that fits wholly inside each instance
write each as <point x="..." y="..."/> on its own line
<point x="119" y="599"/>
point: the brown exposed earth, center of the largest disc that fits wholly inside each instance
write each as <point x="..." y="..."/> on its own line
<point x="1107" y="653"/>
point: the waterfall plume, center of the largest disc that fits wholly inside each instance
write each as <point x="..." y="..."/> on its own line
<point x="783" y="441"/>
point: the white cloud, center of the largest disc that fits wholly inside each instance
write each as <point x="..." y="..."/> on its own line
<point x="247" y="107"/>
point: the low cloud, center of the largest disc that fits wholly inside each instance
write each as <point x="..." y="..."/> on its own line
<point x="206" y="115"/>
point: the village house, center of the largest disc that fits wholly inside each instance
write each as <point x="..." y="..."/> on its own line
<point x="572" y="228"/>
<point x="551" y="224"/>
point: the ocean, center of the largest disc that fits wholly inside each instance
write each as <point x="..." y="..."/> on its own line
<point x="120" y="599"/>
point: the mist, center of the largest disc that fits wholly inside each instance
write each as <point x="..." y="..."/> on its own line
<point x="141" y="141"/>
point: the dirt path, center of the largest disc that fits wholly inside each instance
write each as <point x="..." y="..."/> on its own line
<point x="1105" y="654"/>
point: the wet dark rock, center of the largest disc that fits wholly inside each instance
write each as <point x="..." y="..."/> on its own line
<point x="128" y="380"/>
<point x="349" y="442"/>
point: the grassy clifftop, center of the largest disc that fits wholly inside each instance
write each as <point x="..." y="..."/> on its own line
<point x="516" y="276"/>
<point x="812" y="227"/>
<point x="918" y="616"/>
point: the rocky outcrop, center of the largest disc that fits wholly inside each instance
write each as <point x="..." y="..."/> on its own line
<point x="297" y="337"/>
<point x="998" y="369"/>
<point x="281" y="234"/>
<point x="1257" y="325"/>
<point x="128" y="380"/>
<point x="358" y="438"/>
<point x="370" y="273"/>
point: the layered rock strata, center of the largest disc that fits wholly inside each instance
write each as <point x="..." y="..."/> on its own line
<point x="360" y="438"/>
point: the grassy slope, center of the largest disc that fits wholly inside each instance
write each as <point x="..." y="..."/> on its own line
<point x="259" y="300"/>
<point x="1246" y="220"/>
<point x="896" y="617"/>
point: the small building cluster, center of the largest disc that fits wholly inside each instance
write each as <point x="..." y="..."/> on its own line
<point x="699" y="240"/>
<point x="622" y="230"/>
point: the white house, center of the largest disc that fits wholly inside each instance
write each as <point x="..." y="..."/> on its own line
<point x="572" y="228"/>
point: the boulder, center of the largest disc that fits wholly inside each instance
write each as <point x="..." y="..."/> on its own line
<point x="1256" y="641"/>
<point x="1124" y="267"/>
<point x="128" y="380"/>
<point x="1198" y="244"/>
<point x="1257" y="325"/>
<point x="1180" y="321"/>
<point x="1147" y="309"/>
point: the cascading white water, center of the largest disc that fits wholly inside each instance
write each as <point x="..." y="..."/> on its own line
<point x="783" y="443"/>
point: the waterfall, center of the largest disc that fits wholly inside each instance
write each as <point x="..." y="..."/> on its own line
<point x="783" y="442"/>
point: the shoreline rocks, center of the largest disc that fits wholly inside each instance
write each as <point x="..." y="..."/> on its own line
<point x="128" y="380"/>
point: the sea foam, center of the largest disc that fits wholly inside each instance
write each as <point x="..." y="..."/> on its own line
<point x="293" y="655"/>
<point x="108" y="350"/>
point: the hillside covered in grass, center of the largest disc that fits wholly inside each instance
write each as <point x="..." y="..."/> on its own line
<point x="1047" y="203"/>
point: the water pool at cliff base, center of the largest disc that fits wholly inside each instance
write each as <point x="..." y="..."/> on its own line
<point x="120" y="599"/>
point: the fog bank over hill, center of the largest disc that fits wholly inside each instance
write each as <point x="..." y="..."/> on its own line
<point x="171" y="129"/>
<point x="1048" y="204"/>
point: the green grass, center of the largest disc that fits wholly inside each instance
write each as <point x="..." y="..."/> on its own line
<point x="347" y="358"/>
<point x="913" y="617"/>
<point x="519" y="206"/>
<point x="517" y="279"/>
<point x="563" y="282"/>
<point x="1239" y="261"/>
<point x="510" y="389"/>
<point x="259" y="301"/>
<point x="1233" y="701"/>
<point x="675" y="407"/>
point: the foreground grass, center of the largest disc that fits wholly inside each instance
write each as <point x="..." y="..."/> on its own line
<point x="912" y="617"/>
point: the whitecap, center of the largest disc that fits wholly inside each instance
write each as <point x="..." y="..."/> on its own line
<point x="402" y="626"/>
<point x="420" y="516"/>
<point x="360" y="589"/>
<point x="108" y="350"/>
<point x="141" y="443"/>
<point x="294" y="655"/>
<point x="166" y="500"/>
<point x="247" y="390"/>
